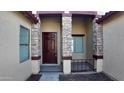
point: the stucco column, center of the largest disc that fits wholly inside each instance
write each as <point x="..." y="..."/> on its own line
<point x="98" y="46"/>
<point x="66" y="43"/>
<point x="35" y="48"/>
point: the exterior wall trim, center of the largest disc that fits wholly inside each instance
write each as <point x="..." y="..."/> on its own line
<point x="98" y="56"/>
<point x="36" y="57"/>
<point x="78" y="34"/>
<point x="67" y="57"/>
<point x="88" y="13"/>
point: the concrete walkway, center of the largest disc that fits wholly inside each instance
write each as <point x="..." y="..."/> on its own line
<point x="50" y="76"/>
<point x="54" y="76"/>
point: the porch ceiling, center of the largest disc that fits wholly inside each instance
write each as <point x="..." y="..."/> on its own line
<point x="85" y="13"/>
<point x="83" y="16"/>
<point x="50" y="15"/>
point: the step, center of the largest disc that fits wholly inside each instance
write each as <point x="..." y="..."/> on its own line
<point x="51" y="68"/>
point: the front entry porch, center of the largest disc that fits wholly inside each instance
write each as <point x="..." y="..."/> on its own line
<point x="56" y="42"/>
<point x="66" y="43"/>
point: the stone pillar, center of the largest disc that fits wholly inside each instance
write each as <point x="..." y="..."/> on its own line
<point x="98" y="46"/>
<point x="67" y="43"/>
<point x="35" y="48"/>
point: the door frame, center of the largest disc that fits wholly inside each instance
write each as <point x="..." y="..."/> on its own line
<point x="55" y="49"/>
<point x="59" y="51"/>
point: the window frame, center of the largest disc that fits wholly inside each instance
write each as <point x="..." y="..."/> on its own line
<point x="77" y="35"/>
<point x="28" y="44"/>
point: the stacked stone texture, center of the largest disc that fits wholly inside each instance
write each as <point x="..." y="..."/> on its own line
<point x="66" y="36"/>
<point x="35" y="41"/>
<point x="97" y="39"/>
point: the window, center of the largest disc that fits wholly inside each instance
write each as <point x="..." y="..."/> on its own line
<point x="78" y="46"/>
<point x="24" y="43"/>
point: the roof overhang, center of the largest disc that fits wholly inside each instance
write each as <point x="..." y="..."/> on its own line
<point x="30" y="16"/>
<point x="106" y="16"/>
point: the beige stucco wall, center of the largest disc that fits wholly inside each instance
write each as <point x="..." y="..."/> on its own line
<point x="78" y="26"/>
<point x="113" y="35"/>
<point x="10" y="67"/>
<point x="83" y="26"/>
<point x="52" y="24"/>
<point x="89" y="38"/>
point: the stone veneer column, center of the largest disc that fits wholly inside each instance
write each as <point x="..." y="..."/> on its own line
<point x="98" y="45"/>
<point x="35" y="48"/>
<point x="67" y="43"/>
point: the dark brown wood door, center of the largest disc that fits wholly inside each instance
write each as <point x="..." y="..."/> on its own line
<point x="49" y="47"/>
